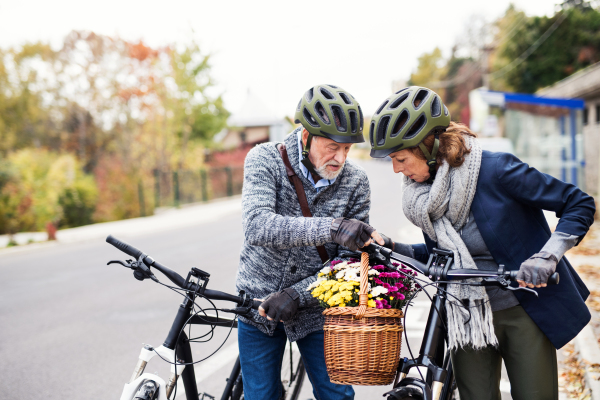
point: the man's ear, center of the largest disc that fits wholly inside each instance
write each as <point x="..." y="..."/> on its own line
<point x="304" y="136"/>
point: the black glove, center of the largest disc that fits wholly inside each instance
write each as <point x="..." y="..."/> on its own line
<point x="537" y="269"/>
<point x="283" y="305"/>
<point x="351" y="233"/>
<point x="389" y="243"/>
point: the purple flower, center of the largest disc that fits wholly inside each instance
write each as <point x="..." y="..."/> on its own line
<point x="386" y="285"/>
<point x="392" y="289"/>
<point x="399" y="296"/>
<point x="353" y="260"/>
<point x="399" y="285"/>
<point x="379" y="267"/>
<point x="378" y="304"/>
<point x="378" y="281"/>
<point x="395" y="264"/>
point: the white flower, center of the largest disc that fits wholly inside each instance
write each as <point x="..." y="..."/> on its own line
<point x="373" y="272"/>
<point x="351" y="274"/>
<point x="340" y="266"/>
<point x="316" y="283"/>
<point x="325" y="270"/>
<point x="378" y="290"/>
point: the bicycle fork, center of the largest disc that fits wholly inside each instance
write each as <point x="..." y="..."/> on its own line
<point x="431" y="356"/>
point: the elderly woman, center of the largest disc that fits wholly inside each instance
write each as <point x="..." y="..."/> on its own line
<point x="487" y="208"/>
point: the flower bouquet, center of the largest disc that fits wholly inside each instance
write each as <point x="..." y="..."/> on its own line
<point x="363" y="319"/>
<point x="338" y="285"/>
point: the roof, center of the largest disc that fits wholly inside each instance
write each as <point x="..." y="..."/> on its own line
<point x="584" y="83"/>
<point x="254" y="112"/>
<point x="501" y="98"/>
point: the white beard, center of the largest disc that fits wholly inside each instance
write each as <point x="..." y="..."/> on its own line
<point x="329" y="175"/>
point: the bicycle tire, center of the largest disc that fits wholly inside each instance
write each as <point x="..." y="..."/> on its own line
<point x="297" y="386"/>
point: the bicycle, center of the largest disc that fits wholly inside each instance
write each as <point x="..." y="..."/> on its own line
<point x="176" y="349"/>
<point x="439" y="383"/>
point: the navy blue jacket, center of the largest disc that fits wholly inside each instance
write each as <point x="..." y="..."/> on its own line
<point x="507" y="207"/>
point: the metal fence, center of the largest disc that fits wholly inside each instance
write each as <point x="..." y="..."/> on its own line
<point x="174" y="188"/>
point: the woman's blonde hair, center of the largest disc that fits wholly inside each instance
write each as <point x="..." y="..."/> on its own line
<point x="453" y="146"/>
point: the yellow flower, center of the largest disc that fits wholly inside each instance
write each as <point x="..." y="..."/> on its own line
<point x="321" y="274"/>
<point x="370" y="295"/>
<point x="391" y="298"/>
<point x="356" y="290"/>
<point x="327" y="295"/>
<point x="371" y="303"/>
<point x="342" y="304"/>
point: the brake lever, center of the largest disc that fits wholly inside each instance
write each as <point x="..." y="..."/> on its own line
<point x="126" y="264"/>
<point x="523" y="288"/>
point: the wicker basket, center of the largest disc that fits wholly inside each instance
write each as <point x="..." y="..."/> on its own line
<point x="362" y="345"/>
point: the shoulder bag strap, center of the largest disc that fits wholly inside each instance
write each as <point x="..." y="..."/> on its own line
<point x="295" y="180"/>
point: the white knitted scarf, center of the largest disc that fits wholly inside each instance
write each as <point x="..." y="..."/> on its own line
<point x="441" y="210"/>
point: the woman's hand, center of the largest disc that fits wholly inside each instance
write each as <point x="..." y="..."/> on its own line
<point x="536" y="270"/>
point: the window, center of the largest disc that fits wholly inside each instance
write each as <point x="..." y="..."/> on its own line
<point x="585" y="115"/>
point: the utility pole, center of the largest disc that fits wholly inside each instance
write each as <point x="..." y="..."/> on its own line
<point x="485" y="64"/>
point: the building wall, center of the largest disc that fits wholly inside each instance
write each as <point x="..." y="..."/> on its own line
<point x="237" y="137"/>
<point x="591" y="140"/>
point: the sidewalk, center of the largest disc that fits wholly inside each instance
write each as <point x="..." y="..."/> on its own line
<point x="167" y="219"/>
<point x="579" y="369"/>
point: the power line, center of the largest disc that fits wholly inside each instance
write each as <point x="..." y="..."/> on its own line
<point x="517" y="61"/>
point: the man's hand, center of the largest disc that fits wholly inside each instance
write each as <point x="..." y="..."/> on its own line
<point x="280" y="306"/>
<point x="536" y="270"/>
<point x="353" y="234"/>
<point x="387" y="242"/>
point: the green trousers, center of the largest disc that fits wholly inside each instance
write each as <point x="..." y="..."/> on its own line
<point x="529" y="357"/>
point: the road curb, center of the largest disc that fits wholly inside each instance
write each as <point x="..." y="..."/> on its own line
<point x="586" y="345"/>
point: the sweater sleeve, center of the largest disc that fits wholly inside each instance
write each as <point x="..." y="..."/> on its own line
<point x="261" y="224"/>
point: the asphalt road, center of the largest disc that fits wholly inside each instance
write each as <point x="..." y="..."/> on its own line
<point x="72" y="327"/>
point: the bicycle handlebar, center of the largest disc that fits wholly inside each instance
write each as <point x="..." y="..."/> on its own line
<point x="437" y="273"/>
<point x="175" y="277"/>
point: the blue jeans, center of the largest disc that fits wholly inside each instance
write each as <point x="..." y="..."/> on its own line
<point x="261" y="356"/>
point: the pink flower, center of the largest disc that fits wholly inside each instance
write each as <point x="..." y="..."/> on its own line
<point x="392" y="289"/>
<point x="386" y="285"/>
<point x="395" y="264"/>
<point x="378" y="281"/>
<point x="399" y="296"/>
<point x="379" y="267"/>
<point x="353" y="260"/>
<point x="378" y="304"/>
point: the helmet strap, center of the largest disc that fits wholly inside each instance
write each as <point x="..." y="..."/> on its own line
<point x="431" y="158"/>
<point x="305" y="160"/>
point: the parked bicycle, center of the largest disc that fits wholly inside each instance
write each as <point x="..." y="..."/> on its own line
<point x="176" y="349"/>
<point x="438" y="384"/>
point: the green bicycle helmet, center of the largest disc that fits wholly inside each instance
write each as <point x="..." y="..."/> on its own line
<point x="329" y="111"/>
<point x="405" y="119"/>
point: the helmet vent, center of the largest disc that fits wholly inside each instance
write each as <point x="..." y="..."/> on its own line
<point x="332" y="86"/>
<point x="445" y="111"/>
<point x="340" y="118"/>
<point x="321" y="112"/>
<point x="299" y="104"/>
<point x="310" y="119"/>
<point x="328" y="95"/>
<point x="309" y="95"/>
<point x="353" y="121"/>
<point x="416" y="127"/>
<point x="401" y="90"/>
<point x="382" y="129"/>
<point x="372" y="133"/>
<point x="361" y="117"/>
<point x="345" y="98"/>
<point x="398" y="101"/>
<point x="420" y="97"/>
<point x="436" y="109"/>
<point x="381" y="107"/>
<point x="400" y="122"/>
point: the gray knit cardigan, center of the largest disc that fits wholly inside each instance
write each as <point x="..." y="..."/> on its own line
<point x="279" y="246"/>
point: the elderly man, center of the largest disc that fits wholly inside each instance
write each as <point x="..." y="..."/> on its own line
<point x="302" y="203"/>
